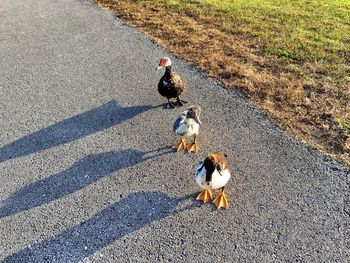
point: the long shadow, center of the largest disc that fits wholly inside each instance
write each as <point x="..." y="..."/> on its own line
<point x="97" y="119"/>
<point x="78" y="242"/>
<point x="84" y="172"/>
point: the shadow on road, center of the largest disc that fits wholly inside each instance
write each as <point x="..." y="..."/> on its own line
<point x="97" y="119"/>
<point x="121" y="218"/>
<point x="81" y="174"/>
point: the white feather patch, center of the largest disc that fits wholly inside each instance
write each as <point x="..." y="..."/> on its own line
<point x="218" y="180"/>
<point x="187" y="127"/>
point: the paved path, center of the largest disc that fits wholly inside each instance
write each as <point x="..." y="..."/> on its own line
<point x="86" y="175"/>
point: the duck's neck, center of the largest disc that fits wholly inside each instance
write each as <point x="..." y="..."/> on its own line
<point x="167" y="73"/>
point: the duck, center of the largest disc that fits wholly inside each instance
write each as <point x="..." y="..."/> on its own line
<point x="170" y="85"/>
<point x="213" y="174"/>
<point x="187" y="126"/>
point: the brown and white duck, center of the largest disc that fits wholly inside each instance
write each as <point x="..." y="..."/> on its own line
<point x="170" y="85"/>
<point x="213" y="173"/>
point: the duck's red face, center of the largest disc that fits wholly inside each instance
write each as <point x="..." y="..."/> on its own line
<point x="164" y="62"/>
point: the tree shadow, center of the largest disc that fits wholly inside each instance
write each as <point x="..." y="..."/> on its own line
<point x="82" y="173"/>
<point x="121" y="218"/>
<point x="97" y="119"/>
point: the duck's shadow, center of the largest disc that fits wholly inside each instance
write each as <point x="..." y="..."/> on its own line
<point x="119" y="219"/>
<point x="76" y="127"/>
<point x="81" y="174"/>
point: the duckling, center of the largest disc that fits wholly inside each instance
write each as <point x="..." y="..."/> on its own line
<point x="170" y="85"/>
<point x="213" y="173"/>
<point x="187" y="126"/>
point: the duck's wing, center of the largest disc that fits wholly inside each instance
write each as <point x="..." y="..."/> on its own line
<point x="180" y="120"/>
<point x="177" y="82"/>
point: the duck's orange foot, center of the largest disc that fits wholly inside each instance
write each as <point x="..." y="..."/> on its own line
<point x="221" y="201"/>
<point x="192" y="148"/>
<point x="180" y="145"/>
<point x="205" y="196"/>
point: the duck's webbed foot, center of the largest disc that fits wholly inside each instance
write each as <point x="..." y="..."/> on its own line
<point x="205" y="196"/>
<point x="170" y="105"/>
<point x="180" y="102"/>
<point x="193" y="148"/>
<point x="221" y="201"/>
<point x="180" y="145"/>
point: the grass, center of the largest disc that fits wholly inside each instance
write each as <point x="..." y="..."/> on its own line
<point x="290" y="57"/>
<point x="303" y="30"/>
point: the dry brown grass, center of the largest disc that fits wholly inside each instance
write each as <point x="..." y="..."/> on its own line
<point x="299" y="96"/>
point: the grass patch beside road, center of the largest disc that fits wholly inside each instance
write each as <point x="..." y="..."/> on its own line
<point x="290" y="57"/>
<point x="300" y="29"/>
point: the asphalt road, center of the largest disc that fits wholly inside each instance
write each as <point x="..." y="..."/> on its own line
<point x="85" y="169"/>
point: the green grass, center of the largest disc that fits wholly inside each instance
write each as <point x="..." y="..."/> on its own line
<point x="308" y="30"/>
<point x="305" y="30"/>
